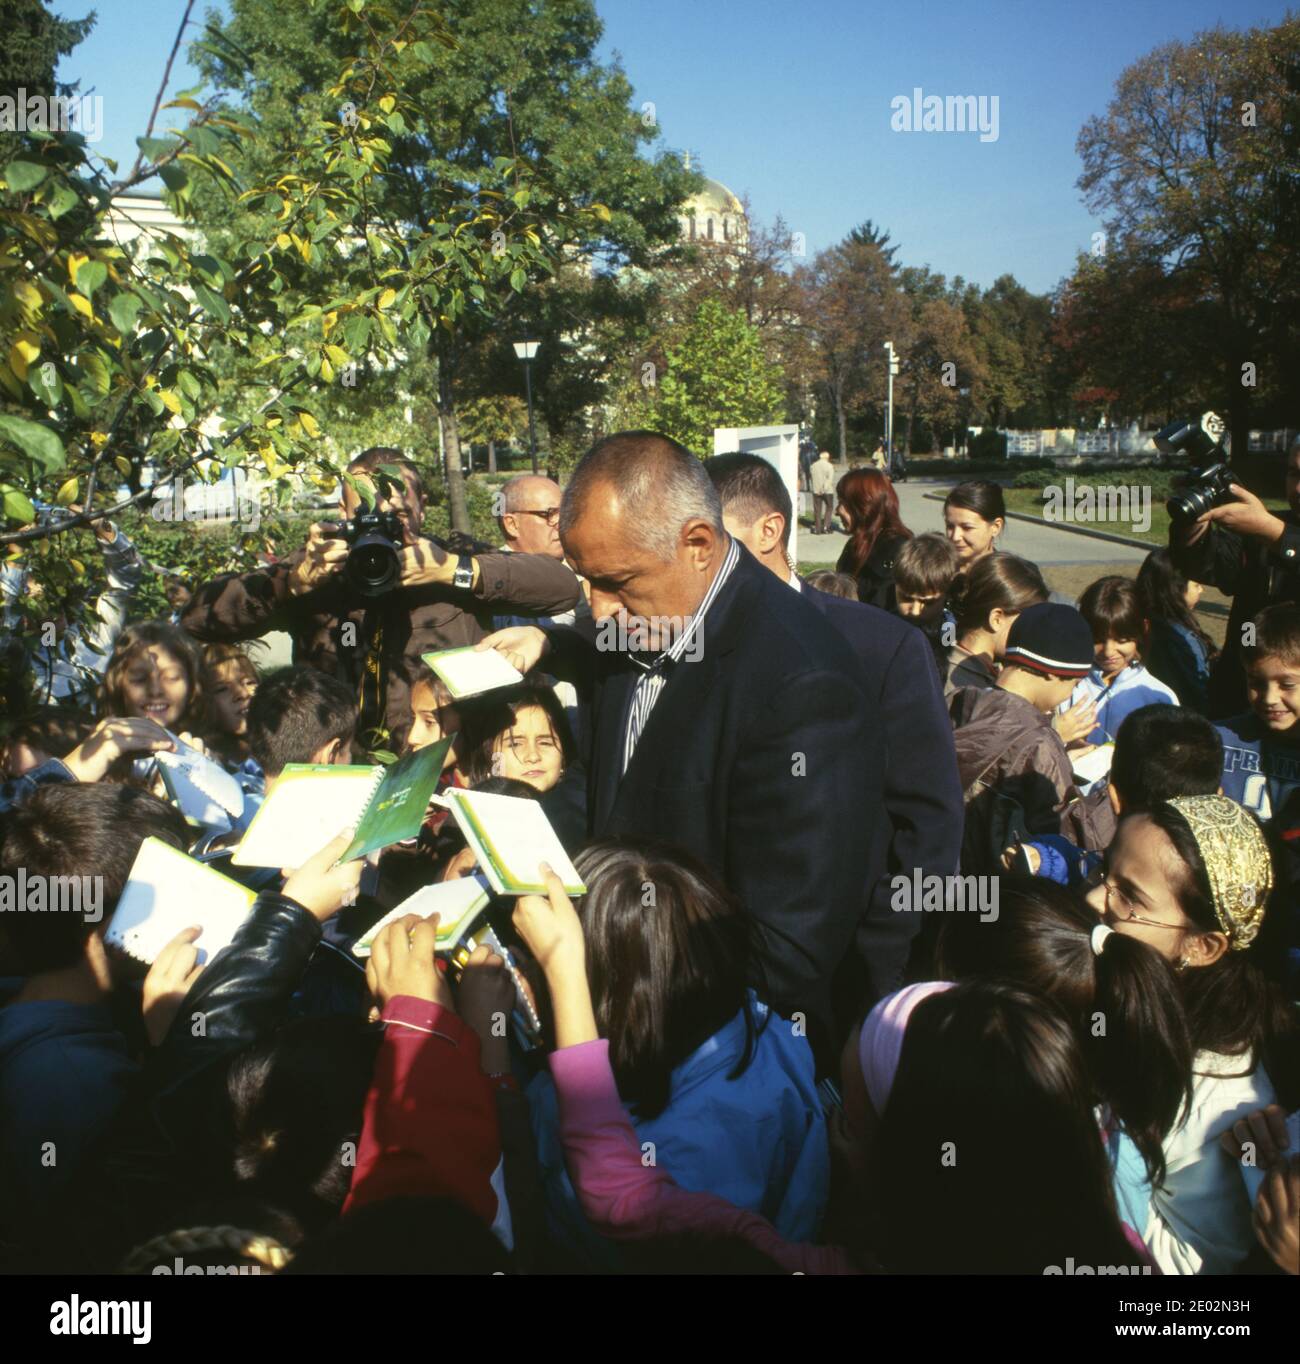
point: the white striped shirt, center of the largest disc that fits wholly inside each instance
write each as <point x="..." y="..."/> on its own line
<point x="654" y="672"/>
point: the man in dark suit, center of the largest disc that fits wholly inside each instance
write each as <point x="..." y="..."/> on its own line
<point x="923" y="795"/>
<point x="728" y="717"/>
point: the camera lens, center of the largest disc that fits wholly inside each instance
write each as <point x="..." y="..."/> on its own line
<point x="372" y="566"/>
<point x="1189" y="505"/>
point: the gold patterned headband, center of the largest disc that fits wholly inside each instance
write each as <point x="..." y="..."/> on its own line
<point x="1237" y="863"/>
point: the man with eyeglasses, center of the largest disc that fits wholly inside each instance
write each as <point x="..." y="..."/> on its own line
<point x="529" y="516"/>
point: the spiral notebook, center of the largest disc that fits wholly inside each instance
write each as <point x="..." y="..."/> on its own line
<point x="311" y="804"/>
<point x="168" y="891"/>
<point x="457" y="904"/>
<point x="202" y="790"/>
<point x="471" y="672"/>
<point x="511" y="837"/>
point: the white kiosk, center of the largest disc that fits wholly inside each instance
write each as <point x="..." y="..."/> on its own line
<point x="779" y="445"/>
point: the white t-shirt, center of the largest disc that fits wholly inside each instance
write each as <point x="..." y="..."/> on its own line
<point x="1200" y="1222"/>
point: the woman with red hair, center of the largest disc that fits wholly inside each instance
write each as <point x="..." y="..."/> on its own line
<point x="868" y="508"/>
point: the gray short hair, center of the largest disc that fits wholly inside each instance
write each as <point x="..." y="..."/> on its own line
<point x="659" y="483"/>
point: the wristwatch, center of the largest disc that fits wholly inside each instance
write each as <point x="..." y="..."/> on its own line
<point x="464" y="577"/>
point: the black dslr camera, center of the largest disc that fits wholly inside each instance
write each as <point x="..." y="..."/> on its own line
<point x="1211" y="478"/>
<point x="375" y="538"/>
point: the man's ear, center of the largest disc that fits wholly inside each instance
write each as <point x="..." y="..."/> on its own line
<point x="771" y="531"/>
<point x="701" y="541"/>
<point x="510" y="525"/>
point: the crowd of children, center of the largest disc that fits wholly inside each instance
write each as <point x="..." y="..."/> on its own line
<point x="1100" y="1071"/>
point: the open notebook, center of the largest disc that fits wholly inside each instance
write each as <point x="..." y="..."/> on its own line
<point x="511" y="837"/>
<point x="312" y="804"/>
<point x="201" y="789"/>
<point x="168" y="891"/>
<point x="456" y="903"/>
<point x="469" y="672"/>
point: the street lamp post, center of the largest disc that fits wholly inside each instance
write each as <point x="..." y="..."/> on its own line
<point x="525" y="350"/>
<point x="889" y="409"/>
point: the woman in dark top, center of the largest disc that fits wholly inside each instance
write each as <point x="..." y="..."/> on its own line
<point x="974" y="515"/>
<point x="1178" y="653"/>
<point x="868" y="509"/>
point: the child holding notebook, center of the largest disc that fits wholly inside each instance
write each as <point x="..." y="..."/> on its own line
<point x="719" y="1088"/>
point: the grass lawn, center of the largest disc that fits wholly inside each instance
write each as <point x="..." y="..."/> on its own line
<point x="1030" y="502"/>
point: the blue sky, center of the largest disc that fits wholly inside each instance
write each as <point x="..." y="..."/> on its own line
<point x="789" y="103"/>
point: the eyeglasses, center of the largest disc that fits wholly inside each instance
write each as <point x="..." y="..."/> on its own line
<point x="551" y="515"/>
<point x="1125" y="913"/>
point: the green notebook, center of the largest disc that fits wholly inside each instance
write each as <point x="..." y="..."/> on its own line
<point x="457" y="904"/>
<point x="511" y="836"/>
<point x="311" y="804"/>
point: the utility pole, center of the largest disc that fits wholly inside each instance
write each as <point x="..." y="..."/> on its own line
<point x="889" y="409"/>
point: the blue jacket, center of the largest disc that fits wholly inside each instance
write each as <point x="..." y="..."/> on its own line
<point x="1176" y="657"/>
<point x="1259" y="771"/>
<point x="759" y="1141"/>
<point x="65" y="1074"/>
<point x="16" y="790"/>
<point x="1134" y="688"/>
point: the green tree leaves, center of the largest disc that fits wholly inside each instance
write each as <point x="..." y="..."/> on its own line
<point x="718" y="375"/>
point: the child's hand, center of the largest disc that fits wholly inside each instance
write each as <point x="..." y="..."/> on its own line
<point x="1264" y="1131"/>
<point x="110" y="740"/>
<point x="1277" y="1215"/>
<point x="174" y="970"/>
<point x="1077" y="722"/>
<point x="550" y="926"/>
<point x="486" y="996"/>
<point x="319" y="886"/>
<point x="402" y="962"/>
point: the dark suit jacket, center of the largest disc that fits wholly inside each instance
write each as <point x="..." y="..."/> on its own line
<point x="764" y="760"/>
<point x="923" y="795"/>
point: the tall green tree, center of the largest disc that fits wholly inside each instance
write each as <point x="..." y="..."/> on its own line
<point x="34" y="40"/>
<point x="107" y="353"/>
<point x="1188" y="168"/>
<point x="521" y="85"/>
<point x="718" y="375"/>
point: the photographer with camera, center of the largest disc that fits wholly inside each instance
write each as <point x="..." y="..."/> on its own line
<point x="363" y="595"/>
<point x="1222" y="534"/>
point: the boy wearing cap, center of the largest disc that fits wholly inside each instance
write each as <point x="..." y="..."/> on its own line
<point x="1014" y="769"/>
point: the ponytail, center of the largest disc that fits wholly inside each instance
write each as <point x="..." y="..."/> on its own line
<point x="1123" y="1001"/>
<point x="1137" y="1043"/>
